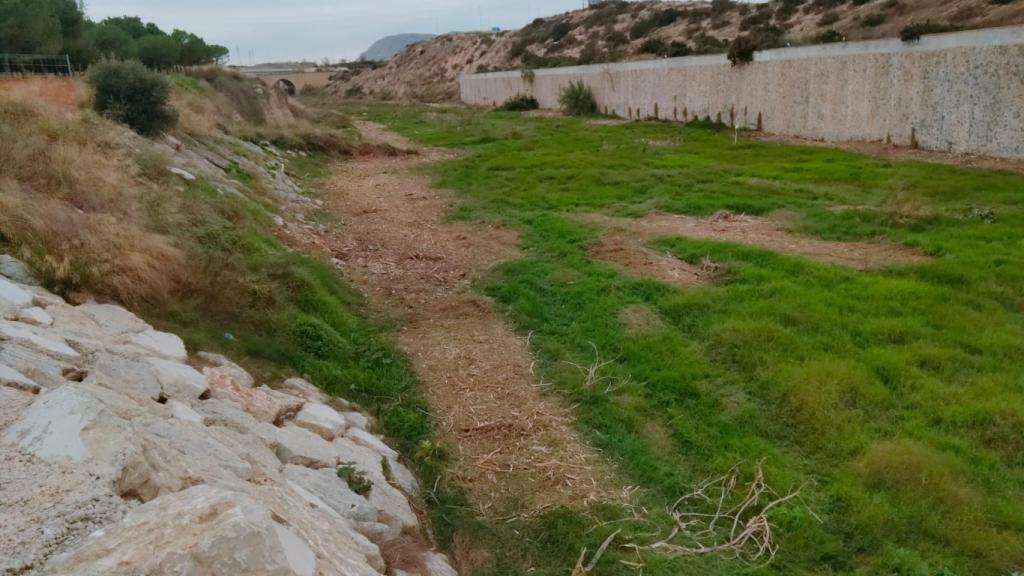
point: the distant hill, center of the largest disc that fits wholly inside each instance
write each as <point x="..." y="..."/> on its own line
<point x="615" y="31"/>
<point x="387" y="47"/>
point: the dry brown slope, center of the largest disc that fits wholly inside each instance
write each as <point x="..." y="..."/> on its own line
<point x="429" y="71"/>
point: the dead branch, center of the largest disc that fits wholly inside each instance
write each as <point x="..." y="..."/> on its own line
<point x="716" y="518"/>
<point x="580" y="570"/>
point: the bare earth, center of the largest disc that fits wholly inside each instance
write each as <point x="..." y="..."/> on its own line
<point x="511" y="443"/>
<point x="628" y="235"/>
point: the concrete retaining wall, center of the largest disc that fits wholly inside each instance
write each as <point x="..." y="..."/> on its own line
<point x="959" y="92"/>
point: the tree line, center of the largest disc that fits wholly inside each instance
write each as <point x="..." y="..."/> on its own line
<point x="61" y="27"/>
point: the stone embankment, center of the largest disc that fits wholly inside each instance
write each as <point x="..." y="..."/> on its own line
<point x="123" y="455"/>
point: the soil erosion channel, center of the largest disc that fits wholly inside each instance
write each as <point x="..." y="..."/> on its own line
<point x="510" y="442"/>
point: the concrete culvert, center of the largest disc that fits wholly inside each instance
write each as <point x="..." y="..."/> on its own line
<point x="286" y="86"/>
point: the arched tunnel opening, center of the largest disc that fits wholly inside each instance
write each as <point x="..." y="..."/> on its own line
<point x="286" y="86"/>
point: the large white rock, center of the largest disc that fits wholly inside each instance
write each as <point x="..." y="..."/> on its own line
<point x="199" y="531"/>
<point x="35" y="316"/>
<point x="207" y="459"/>
<point x="224" y="366"/>
<point x="114" y="320"/>
<point x="178" y="380"/>
<point x="184" y="412"/>
<point x="16" y="271"/>
<point x="158" y="343"/>
<point x="338" y="547"/>
<point x="300" y="446"/>
<point x="42" y="369"/>
<point x="360" y="436"/>
<point x="11" y="377"/>
<point x="357" y="420"/>
<point x="53" y="427"/>
<point x="71" y="424"/>
<point x="392" y="505"/>
<point x="321" y="419"/>
<point x="264" y="404"/>
<point x="303" y="389"/>
<point x="13" y="296"/>
<point x="333" y="491"/>
<point x="229" y="414"/>
<point x="48" y="507"/>
<point x="31" y="336"/>
<point x="128" y="376"/>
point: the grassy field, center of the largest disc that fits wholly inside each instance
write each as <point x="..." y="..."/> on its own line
<point x="894" y="398"/>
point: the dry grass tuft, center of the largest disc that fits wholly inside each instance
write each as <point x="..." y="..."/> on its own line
<point x="71" y="207"/>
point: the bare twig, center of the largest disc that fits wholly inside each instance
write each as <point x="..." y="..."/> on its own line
<point x="580" y="570"/>
<point x="713" y="519"/>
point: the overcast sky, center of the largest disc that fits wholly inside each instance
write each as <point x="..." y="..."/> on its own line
<point x="278" y="30"/>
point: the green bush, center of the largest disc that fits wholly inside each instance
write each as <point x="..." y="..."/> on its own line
<point x="577" y="99"/>
<point x="742" y="49"/>
<point x="129" y="93"/>
<point x="914" y="32"/>
<point x="520" y="103"/>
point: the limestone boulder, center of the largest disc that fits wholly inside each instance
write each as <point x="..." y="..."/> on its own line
<point x="227" y="367"/>
<point x="392" y="506"/>
<point x="35" y="338"/>
<point x="301" y="447"/>
<point x="14" y="379"/>
<point x="184" y="412"/>
<point x="339" y="549"/>
<point x="303" y="389"/>
<point x="321" y="419"/>
<point x="114" y="320"/>
<point x="208" y="461"/>
<point x="42" y="369"/>
<point x="357" y="420"/>
<point x="16" y="271"/>
<point x="34" y="316"/>
<point x="364" y="438"/>
<point x="333" y="491"/>
<point x="229" y="414"/>
<point x="13" y="403"/>
<point x="55" y="426"/>
<point x="155" y="343"/>
<point x="264" y="404"/>
<point x="47" y="507"/>
<point x="202" y="530"/>
<point x="134" y="378"/>
<point x="13" y="296"/>
<point x="178" y="380"/>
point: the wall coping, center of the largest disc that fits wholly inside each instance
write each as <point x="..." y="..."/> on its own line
<point x="985" y="37"/>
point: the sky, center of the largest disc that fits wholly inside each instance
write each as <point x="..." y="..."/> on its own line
<point x="288" y="30"/>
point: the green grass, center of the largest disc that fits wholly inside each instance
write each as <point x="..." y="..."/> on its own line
<point x="895" y="397"/>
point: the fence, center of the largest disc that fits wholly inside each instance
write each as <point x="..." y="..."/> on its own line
<point x="960" y="92"/>
<point x="35" y="65"/>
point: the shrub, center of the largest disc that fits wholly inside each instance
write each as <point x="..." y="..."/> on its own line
<point x="873" y="20"/>
<point x="520" y="103"/>
<point x="742" y="49"/>
<point x="131" y="94"/>
<point x="577" y="99"/>
<point x="914" y="32"/>
<point x="830" y="36"/>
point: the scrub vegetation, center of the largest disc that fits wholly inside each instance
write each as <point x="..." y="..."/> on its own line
<point x="893" y="399"/>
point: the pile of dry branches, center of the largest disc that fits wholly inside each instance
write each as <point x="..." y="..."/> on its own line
<point x="723" y="516"/>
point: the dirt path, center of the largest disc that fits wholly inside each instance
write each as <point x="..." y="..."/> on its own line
<point x="510" y="442"/>
<point x="727" y="227"/>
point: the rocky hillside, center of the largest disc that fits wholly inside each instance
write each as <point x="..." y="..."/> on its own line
<point x="618" y="30"/>
<point x="387" y="47"/>
<point x="125" y="455"/>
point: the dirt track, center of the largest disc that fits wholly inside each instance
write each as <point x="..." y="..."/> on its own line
<point x="510" y="442"/>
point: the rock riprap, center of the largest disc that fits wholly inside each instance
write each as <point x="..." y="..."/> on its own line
<point x="123" y="455"/>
